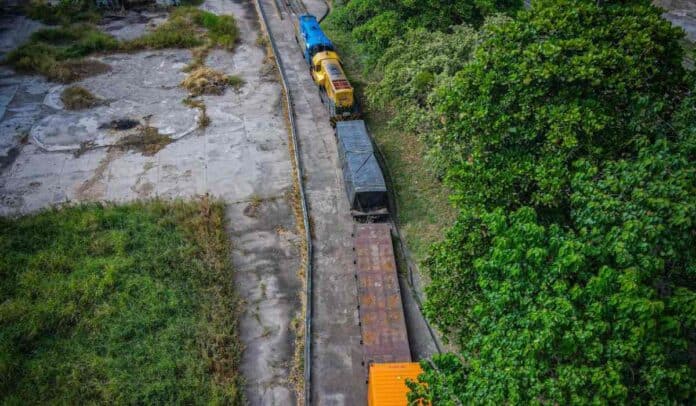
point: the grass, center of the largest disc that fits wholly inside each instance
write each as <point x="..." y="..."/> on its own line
<point x="235" y="82"/>
<point x="203" y="118"/>
<point x="57" y="53"/>
<point x="78" y="98"/>
<point x="125" y="304"/>
<point x="64" y="12"/>
<point x="189" y="27"/>
<point x="147" y="140"/>
<point x="424" y="211"/>
<point x="205" y="80"/>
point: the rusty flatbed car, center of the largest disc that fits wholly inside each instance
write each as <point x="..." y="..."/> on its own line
<point x="383" y="326"/>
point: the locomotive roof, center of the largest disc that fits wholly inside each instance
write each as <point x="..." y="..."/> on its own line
<point x="313" y="33"/>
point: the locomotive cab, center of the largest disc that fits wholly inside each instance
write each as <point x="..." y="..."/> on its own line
<point x="336" y="90"/>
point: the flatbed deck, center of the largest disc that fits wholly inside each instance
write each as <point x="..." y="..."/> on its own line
<point x="382" y="322"/>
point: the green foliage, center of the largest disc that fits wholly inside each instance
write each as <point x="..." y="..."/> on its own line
<point x="412" y="65"/>
<point x="569" y="277"/>
<point x="189" y="27"/>
<point x="130" y="305"/>
<point x="53" y="52"/>
<point x="541" y="312"/>
<point x="64" y="12"/>
<point x="375" y="23"/>
<point x="563" y="80"/>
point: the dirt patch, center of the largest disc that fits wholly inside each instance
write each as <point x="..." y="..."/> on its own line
<point x="93" y="188"/>
<point x="78" y="98"/>
<point x="147" y="140"/>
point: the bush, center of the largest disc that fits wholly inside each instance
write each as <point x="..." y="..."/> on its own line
<point x="568" y="142"/>
<point x="412" y="66"/>
<point x="375" y="23"/>
<point x="562" y="81"/>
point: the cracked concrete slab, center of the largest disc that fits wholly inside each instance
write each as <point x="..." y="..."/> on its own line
<point x="50" y="156"/>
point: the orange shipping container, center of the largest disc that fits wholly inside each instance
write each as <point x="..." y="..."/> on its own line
<point x="387" y="383"/>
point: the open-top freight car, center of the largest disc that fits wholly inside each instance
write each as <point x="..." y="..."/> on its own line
<point x="362" y="175"/>
<point x="385" y="343"/>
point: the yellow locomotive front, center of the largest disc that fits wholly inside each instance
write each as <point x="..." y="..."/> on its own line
<point x="335" y="89"/>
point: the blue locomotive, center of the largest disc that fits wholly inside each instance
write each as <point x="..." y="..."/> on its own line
<point x="326" y="70"/>
<point x="311" y="38"/>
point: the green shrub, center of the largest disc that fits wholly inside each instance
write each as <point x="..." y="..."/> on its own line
<point x="410" y="68"/>
<point x="189" y="27"/>
<point x="561" y="81"/>
<point x="375" y="23"/>
<point x="64" y="12"/>
<point x="568" y="142"/>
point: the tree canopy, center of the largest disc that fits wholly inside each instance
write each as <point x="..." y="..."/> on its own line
<point x="374" y="23"/>
<point x="569" y="277"/>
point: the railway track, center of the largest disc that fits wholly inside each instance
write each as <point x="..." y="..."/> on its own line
<point x="297" y="7"/>
<point x="305" y="210"/>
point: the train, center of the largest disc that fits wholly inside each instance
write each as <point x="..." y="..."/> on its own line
<point x="326" y="69"/>
<point x="384" y="338"/>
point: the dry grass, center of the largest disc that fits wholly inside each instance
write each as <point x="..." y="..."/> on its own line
<point x="203" y="118"/>
<point x="147" y="140"/>
<point x="78" y="98"/>
<point x="205" y="80"/>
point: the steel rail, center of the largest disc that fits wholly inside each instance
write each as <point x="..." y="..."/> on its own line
<point x="305" y="211"/>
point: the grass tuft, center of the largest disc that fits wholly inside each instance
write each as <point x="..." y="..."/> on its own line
<point x="129" y="304"/>
<point x="205" y="80"/>
<point x="78" y="98"/>
<point x="147" y="140"/>
<point x="235" y="82"/>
